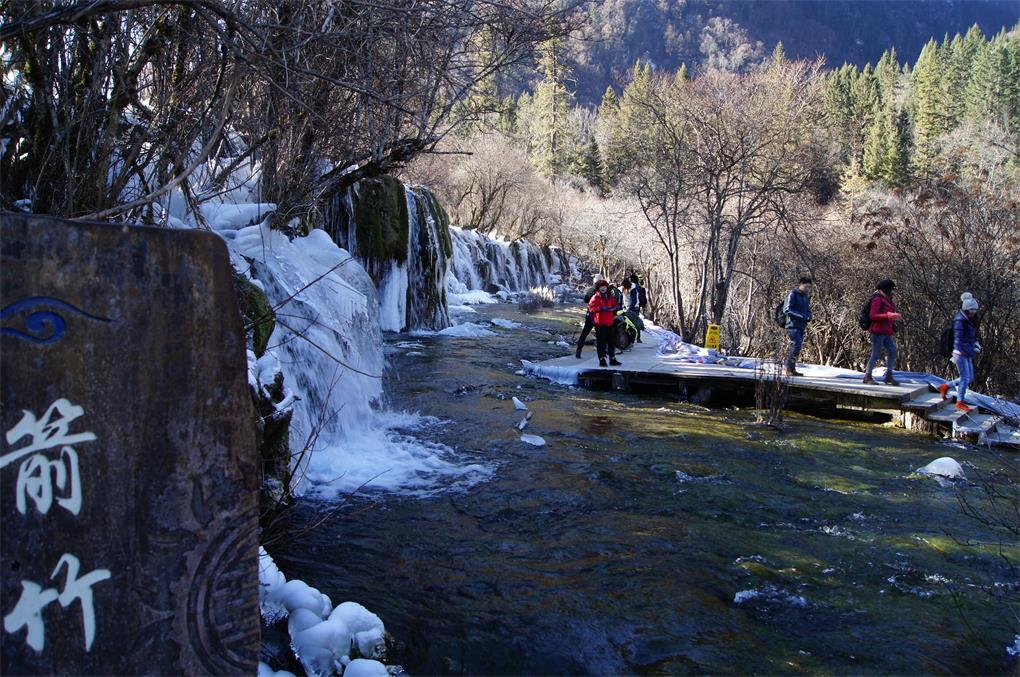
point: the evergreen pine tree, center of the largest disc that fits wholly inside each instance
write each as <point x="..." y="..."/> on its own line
<point x="876" y="149"/>
<point x="896" y="168"/>
<point x="931" y="110"/>
<point x="608" y="135"/>
<point x="552" y="103"/>
<point x="867" y="106"/>
<point x="588" y="165"/>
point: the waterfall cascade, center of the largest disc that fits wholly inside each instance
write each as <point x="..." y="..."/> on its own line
<point x="491" y="265"/>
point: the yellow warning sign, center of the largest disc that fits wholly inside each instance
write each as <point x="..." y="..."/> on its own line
<point x="712" y="337"/>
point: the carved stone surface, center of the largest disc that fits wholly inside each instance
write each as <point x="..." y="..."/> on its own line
<point x="139" y="508"/>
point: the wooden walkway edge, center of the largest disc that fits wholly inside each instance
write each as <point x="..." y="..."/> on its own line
<point x="916" y="405"/>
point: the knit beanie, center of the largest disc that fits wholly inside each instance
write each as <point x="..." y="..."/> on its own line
<point x="886" y="286"/>
<point x="599" y="277"/>
<point x="968" y="302"/>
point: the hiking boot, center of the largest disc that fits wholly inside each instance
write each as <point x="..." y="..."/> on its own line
<point x="869" y="380"/>
<point x="602" y="362"/>
<point x="963" y="407"/>
<point x="944" y="391"/>
<point x="790" y="371"/>
<point x="890" y="381"/>
<point x="578" y="354"/>
<point x="615" y="362"/>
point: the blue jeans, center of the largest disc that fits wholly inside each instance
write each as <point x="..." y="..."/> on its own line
<point x="965" y="366"/>
<point x="796" y="335"/>
<point x="880" y="342"/>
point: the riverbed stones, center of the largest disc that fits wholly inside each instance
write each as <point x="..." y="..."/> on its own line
<point x="129" y="536"/>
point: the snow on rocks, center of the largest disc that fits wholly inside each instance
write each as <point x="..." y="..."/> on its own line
<point x="362" y="667"/>
<point x="467" y="330"/>
<point x="505" y="323"/>
<point x="518" y="405"/>
<point x="533" y="440"/>
<point x="266" y="671"/>
<point x="322" y="637"/>
<point x="943" y="467"/>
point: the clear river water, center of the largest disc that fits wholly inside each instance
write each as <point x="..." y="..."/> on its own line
<point x="656" y="537"/>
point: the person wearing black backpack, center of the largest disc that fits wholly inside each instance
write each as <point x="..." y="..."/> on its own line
<point x="796" y="313"/>
<point x="965" y="348"/>
<point x="882" y="318"/>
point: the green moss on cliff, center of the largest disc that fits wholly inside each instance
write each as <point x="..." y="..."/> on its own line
<point x="381" y="220"/>
<point x="259" y="318"/>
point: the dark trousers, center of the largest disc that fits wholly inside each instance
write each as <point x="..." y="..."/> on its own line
<point x="796" y="335"/>
<point x="604" y="342"/>
<point x="589" y="324"/>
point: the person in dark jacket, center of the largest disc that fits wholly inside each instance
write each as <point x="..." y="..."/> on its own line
<point x="883" y="316"/>
<point x="589" y="322"/>
<point x="965" y="348"/>
<point x="603" y="307"/>
<point x="639" y="292"/>
<point x="797" y="309"/>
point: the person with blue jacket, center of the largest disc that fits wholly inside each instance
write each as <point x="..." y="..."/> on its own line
<point x="965" y="347"/>
<point x="797" y="309"/>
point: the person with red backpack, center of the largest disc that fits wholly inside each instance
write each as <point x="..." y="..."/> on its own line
<point x="603" y="306"/>
<point x="883" y="316"/>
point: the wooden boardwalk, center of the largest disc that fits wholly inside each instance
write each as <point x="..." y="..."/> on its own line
<point x="916" y="404"/>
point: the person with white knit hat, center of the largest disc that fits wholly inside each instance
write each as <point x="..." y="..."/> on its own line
<point x="965" y="348"/>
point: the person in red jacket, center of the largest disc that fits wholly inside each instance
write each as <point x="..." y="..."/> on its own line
<point x="602" y="307"/>
<point x="883" y="326"/>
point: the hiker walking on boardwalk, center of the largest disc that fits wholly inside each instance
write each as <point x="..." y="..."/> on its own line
<point x="965" y="348"/>
<point x="797" y="311"/>
<point x="602" y="307"/>
<point x="882" y="318"/>
<point x="589" y="322"/>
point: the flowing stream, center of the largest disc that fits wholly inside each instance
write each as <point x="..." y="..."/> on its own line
<point x="653" y="537"/>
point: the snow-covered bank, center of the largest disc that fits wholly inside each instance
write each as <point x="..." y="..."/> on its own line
<point x="326" y="640"/>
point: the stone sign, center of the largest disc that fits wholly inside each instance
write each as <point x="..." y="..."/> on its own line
<point x="127" y="454"/>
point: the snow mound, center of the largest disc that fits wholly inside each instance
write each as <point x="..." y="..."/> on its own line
<point x="471" y="297"/>
<point x="467" y="330"/>
<point x="505" y="324"/>
<point x="943" y="467"/>
<point x="568" y="376"/>
<point x="518" y="405"/>
<point x="362" y="667"/>
<point x="533" y="440"/>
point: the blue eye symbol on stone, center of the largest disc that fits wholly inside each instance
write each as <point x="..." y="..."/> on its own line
<point x="46" y="322"/>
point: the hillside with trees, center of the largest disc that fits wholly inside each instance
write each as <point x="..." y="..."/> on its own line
<point x="698" y="33"/>
<point x="724" y="184"/>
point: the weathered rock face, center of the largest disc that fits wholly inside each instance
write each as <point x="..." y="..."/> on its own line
<point x="129" y="486"/>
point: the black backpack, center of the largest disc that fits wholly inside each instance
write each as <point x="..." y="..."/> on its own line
<point x="780" y="315"/>
<point x="947" y="342"/>
<point x="864" y="321"/>
<point x="642" y="297"/>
